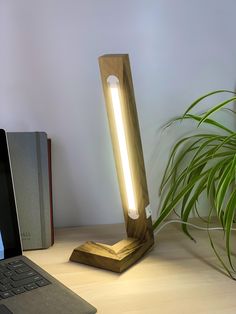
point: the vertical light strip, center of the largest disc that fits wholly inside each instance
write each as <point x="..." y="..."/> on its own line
<point x="1" y="247"/>
<point x="116" y="104"/>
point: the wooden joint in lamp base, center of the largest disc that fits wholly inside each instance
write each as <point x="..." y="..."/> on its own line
<point x="117" y="257"/>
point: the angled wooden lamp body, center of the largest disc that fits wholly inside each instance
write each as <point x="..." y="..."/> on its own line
<point x="123" y="254"/>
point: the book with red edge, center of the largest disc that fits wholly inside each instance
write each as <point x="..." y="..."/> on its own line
<point x="50" y="187"/>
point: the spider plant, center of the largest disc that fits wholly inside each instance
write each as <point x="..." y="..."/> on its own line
<point x="203" y="163"/>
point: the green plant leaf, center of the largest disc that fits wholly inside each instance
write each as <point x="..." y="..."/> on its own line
<point x="170" y="171"/>
<point x="203" y="163"/>
<point x="197" y="118"/>
<point x="194" y="173"/>
<point x="212" y="174"/>
<point x="228" y="221"/>
<point x="205" y="96"/>
<point x="166" y="211"/>
<point x="215" y="109"/>
<point x="186" y="212"/>
<point x="206" y="144"/>
<point x="208" y="121"/>
<point x="223" y="185"/>
<point x="216" y="253"/>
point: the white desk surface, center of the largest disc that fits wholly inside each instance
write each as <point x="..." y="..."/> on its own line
<point x="177" y="276"/>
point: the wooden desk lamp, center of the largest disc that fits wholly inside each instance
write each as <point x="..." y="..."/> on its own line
<point x="127" y="148"/>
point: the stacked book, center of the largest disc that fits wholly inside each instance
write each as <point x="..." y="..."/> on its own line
<point x="30" y="155"/>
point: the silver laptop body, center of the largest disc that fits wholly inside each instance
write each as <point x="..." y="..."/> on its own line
<point x="26" y="288"/>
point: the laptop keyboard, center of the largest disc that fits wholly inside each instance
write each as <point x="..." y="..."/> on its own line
<point x="17" y="277"/>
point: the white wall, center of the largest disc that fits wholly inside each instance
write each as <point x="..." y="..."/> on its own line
<point x="49" y="80"/>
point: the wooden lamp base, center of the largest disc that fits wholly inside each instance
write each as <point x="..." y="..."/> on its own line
<point x="117" y="257"/>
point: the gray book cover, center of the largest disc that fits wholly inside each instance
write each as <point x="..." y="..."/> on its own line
<point x="29" y="161"/>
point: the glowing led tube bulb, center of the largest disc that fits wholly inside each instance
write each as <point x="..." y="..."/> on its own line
<point x="114" y="89"/>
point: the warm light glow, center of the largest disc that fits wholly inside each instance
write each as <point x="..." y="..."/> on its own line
<point x="116" y="104"/>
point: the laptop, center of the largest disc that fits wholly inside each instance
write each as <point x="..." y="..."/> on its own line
<point x="26" y="288"/>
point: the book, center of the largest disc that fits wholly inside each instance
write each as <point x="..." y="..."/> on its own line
<point x="30" y="162"/>
<point x="50" y="187"/>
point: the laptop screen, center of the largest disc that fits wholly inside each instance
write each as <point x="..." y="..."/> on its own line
<point x="9" y="232"/>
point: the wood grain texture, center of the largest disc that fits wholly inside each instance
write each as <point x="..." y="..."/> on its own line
<point x="119" y="66"/>
<point x="122" y="255"/>
<point x="176" y="276"/>
<point x="117" y="257"/>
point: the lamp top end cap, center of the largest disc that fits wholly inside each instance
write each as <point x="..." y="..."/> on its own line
<point x="115" y="55"/>
<point x="112" y="80"/>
